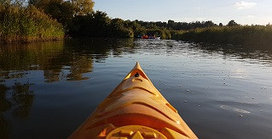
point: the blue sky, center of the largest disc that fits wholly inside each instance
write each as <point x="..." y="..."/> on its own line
<point x="219" y="11"/>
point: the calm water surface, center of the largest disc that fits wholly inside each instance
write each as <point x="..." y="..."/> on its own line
<point x="48" y="89"/>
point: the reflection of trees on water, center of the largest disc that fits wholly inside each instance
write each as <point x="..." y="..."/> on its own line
<point x="240" y="52"/>
<point x="4" y="106"/>
<point x="100" y="49"/>
<point x="18" y="98"/>
<point x="59" y="60"/>
<point x="22" y="98"/>
<point x="71" y="59"/>
<point x="4" y="127"/>
<point x="262" y="55"/>
<point x="78" y="66"/>
<point x="68" y="60"/>
<point x="4" y="103"/>
<point x="15" y="59"/>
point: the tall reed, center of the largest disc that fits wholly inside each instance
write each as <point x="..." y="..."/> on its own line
<point x="25" y="24"/>
<point x="248" y="35"/>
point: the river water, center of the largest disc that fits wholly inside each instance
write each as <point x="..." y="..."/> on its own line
<point x="48" y="89"/>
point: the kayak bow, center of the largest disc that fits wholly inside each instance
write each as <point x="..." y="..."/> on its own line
<point x="134" y="110"/>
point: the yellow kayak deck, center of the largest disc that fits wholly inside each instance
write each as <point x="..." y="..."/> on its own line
<point x="134" y="110"/>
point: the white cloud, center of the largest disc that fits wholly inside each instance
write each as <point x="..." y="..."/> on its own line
<point x="244" y="5"/>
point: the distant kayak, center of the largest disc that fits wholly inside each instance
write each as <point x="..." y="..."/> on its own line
<point x="150" y="37"/>
<point x="134" y="110"/>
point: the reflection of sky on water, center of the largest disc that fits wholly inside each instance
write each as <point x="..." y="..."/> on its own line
<point x="239" y="73"/>
<point x="234" y="109"/>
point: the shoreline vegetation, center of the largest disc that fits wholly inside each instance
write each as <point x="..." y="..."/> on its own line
<point x="27" y="24"/>
<point x="41" y="20"/>
<point x="237" y="35"/>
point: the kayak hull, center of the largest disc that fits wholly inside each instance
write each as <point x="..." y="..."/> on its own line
<point x="135" y="109"/>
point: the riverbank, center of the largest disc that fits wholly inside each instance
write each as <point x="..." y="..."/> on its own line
<point x="27" y="24"/>
<point x="238" y="35"/>
<point x="20" y="23"/>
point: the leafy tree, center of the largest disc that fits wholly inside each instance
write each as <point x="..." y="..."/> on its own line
<point x="119" y="28"/>
<point x="79" y="7"/>
<point x="91" y="25"/>
<point x="171" y="24"/>
<point x="5" y="1"/>
<point x="33" y="2"/>
<point x="232" y="23"/>
<point x="61" y="10"/>
<point x="208" y="24"/>
<point x="13" y="2"/>
<point x="41" y="4"/>
<point x="83" y="7"/>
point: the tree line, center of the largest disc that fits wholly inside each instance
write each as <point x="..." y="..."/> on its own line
<point x="79" y="20"/>
<point x="76" y="18"/>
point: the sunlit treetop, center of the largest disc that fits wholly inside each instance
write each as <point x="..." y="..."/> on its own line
<point x="81" y="7"/>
